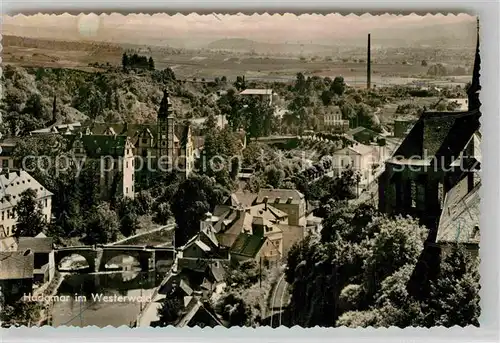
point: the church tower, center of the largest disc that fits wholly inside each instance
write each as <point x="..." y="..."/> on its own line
<point x="475" y="87"/>
<point x="166" y="130"/>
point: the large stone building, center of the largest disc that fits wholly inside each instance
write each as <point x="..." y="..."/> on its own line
<point x="164" y="146"/>
<point x="114" y="157"/>
<point x="434" y="176"/>
<point x="332" y="120"/>
<point x="12" y="185"/>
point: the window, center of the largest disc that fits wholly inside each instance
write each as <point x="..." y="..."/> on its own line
<point x="5" y="163"/>
<point x="126" y="164"/>
<point x="144" y="141"/>
<point x="413" y="193"/>
<point x="133" y="177"/>
<point x="126" y="190"/>
<point x="45" y="202"/>
<point x="3" y="215"/>
<point x="163" y="143"/>
<point x="132" y="189"/>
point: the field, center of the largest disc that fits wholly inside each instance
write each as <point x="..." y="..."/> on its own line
<point x="386" y="69"/>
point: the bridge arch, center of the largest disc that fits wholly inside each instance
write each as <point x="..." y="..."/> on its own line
<point x="88" y="256"/>
<point x="145" y="258"/>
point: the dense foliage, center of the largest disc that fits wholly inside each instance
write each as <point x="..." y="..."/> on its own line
<point x="358" y="275"/>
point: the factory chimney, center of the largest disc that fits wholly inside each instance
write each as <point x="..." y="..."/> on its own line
<point x="368" y="65"/>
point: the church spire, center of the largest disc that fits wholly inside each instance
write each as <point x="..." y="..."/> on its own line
<point x="475" y="87"/>
<point x="165" y="106"/>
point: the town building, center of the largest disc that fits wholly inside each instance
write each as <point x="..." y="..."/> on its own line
<point x="266" y="95"/>
<point x="438" y="153"/>
<point x="434" y="176"/>
<point x="261" y="225"/>
<point x="114" y="157"/>
<point x="12" y="185"/>
<point x="332" y="120"/>
<point x="7" y="159"/>
<point x="364" y="159"/>
<point x="16" y="274"/>
<point x="43" y="252"/>
<point x="250" y="235"/>
<point x="363" y="135"/>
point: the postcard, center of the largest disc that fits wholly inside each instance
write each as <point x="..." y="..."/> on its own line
<point x="240" y="170"/>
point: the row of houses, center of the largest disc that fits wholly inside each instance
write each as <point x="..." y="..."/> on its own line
<point x="25" y="263"/>
<point x="260" y="227"/>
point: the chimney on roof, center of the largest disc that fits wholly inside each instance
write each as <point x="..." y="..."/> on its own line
<point x="265" y="200"/>
<point x="277" y="200"/>
<point x="368" y="64"/>
<point x="289" y="201"/>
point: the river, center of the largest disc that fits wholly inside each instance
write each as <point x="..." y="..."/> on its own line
<point x="81" y="308"/>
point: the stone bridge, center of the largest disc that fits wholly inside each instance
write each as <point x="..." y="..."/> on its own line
<point x="98" y="256"/>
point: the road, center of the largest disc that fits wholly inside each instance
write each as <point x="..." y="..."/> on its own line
<point x="164" y="227"/>
<point x="279" y="300"/>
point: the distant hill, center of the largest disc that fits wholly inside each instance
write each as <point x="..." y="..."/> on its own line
<point x="444" y="35"/>
<point x="52" y="44"/>
<point x="440" y="36"/>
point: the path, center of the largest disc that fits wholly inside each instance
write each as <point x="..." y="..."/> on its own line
<point x="278" y="301"/>
<point x="167" y="227"/>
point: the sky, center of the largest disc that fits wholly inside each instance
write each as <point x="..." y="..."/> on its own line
<point x="287" y="27"/>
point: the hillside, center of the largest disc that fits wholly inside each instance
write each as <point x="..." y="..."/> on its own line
<point x="103" y="97"/>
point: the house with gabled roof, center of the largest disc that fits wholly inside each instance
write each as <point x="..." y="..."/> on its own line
<point x="12" y="185"/>
<point x="16" y="274"/>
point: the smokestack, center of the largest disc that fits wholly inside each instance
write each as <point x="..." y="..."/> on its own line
<point x="369" y="65"/>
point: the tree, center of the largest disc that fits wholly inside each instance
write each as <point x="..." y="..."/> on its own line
<point x="125" y="61"/>
<point x="151" y="64"/>
<point x="274" y="176"/>
<point x="195" y="197"/>
<point x="326" y="97"/>
<point x="144" y="202"/>
<point x="20" y="313"/>
<point x="162" y="213"/>
<point x="170" y="311"/>
<point x="30" y="218"/>
<point x="233" y="309"/>
<point x="301" y="85"/>
<point x="424" y="63"/>
<point x="103" y="225"/>
<point x="338" y="85"/>
<point x="454" y="294"/>
<point x="127" y="214"/>
<point x="397" y="243"/>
